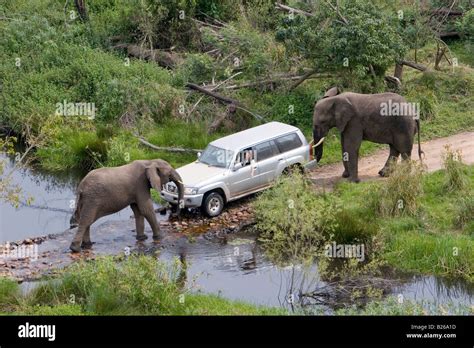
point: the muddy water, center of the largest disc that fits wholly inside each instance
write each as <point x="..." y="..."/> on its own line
<point x="231" y="265"/>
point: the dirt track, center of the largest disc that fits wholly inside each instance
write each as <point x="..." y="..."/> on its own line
<point x="370" y="165"/>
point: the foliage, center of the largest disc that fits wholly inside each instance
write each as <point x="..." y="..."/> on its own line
<point x="293" y="221"/>
<point x="465" y="213"/>
<point x="166" y="23"/>
<point x="137" y="285"/>
<point x="399" y="194"/>
<point x="455" y="170"/>
<point x="466" y="24"/>
<point x="392" y="306"/>
<point x="369" y="38"/>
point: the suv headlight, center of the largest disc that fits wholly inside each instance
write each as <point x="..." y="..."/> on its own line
<point x="190" y="190"/>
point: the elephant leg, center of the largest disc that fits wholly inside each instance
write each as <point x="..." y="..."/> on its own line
<point x="139" y="222"/>
<point x="147" y="210"/>
<point x="78" y="238"/>
<point x="392" y="158"/>
<point x="86" y="219"/>
<point x="86" y="240"/>
<point x="352" y="142"/>
<point x="406" y="156"/>
<point x="345" y="174"/>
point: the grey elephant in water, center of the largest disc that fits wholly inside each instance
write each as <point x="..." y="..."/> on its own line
<point x="106" y="191"/>
<point x="384" y="118"/>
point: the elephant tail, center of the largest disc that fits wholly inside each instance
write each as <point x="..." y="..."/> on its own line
<point x="74" y="222"/>
<point x="418" y="129"/>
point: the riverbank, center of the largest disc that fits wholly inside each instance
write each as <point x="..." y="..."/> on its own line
<point x="141" y="285"/>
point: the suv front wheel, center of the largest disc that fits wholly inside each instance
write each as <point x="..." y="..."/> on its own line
<point x="213" y="204"/>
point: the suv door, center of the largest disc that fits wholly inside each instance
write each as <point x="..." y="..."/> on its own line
<point x="243" y="179"/>
<point x="268" y="161"/>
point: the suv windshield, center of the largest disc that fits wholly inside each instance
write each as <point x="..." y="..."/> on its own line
<point x="217" y="157"/>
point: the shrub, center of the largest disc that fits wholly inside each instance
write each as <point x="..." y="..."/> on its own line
<point x="455" y="170"/>
<point x="9" y="292"/>
<point x="399" y="194"/>
<point x="353" y="227"/>
<point x="139" y="284"/>
<point x="465" y="211"/>
<point x="293" y="221"/>
<point x="428" y="106"/>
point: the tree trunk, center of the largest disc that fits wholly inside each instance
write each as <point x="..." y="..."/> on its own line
<point x="81" y="9"/>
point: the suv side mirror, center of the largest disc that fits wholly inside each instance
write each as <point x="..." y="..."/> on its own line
<point x="237" y="166"/>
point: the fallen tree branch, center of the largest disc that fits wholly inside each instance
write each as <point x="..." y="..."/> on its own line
<point x="165" y="148"/>
<point x="162" y="58"/>
<point x="301" y="79"/>
<point x="286" y="8"/>
<point x="413" y="65"/>
<point x="212" y="89"/>
<point x="221" y="98"/>
<point x="336" y="9"/>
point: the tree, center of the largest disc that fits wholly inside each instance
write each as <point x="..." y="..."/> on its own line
<point x="354" y="39"/>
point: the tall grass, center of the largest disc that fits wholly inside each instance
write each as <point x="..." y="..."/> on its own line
<point x="399" y="195"/>
<point x="455" y="170"/>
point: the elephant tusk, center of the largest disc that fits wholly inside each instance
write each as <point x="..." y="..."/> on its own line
<point x="319" y="142"/>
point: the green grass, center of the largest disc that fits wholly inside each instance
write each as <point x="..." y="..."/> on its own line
<point x="391" y="306"/>
<point x="138" y="285"/>
<point x="430" y="241"/>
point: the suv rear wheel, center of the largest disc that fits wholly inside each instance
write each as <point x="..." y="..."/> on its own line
<point x="213" y="204"/>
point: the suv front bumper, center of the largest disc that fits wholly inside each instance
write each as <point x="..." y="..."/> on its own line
<point x="190" y="201"/>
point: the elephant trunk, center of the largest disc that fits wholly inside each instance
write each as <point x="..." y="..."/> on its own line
<point x="318" y="139"/>
<point x="176" y="178"/>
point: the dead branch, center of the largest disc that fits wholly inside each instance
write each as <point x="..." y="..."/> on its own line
<point x="393" y="80"/>
<point x="286" y="8"/>
<point x="165" y="148"/>
<point x="301" y="79"/>
<point x="336" y="9"/>
<point x="221" y="98"/>
<point x="162" y="58"/>
<point x="413" y="65"/>
<point x="212" y="89"/>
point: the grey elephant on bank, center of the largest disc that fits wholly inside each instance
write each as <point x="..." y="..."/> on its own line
<point x="106" y="191"/>
<point x="362" y="117"/>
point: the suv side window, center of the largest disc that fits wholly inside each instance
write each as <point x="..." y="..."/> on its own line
<point x="245" y="156"/>
<point x="288" y="142"/>
<point x="266" y="150"/>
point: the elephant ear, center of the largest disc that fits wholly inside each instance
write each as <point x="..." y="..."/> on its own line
<point x="332" y="92"/>
<point x="344" y="111"/>
<point x="153" y="177"/>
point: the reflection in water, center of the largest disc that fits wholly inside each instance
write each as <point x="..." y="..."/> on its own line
<point x="239" y="270"/>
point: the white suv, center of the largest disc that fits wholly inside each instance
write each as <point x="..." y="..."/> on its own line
<point x="240" y="164"/>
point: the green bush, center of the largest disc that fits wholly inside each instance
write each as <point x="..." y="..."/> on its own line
<point x="353" y="227"/>
<point x="428" y="106"/>
<point x="465" y="212"/>
<point x="400" y="194"/>
<point x="138" y="285"/>
<point x="9" y="293"/>
<point x="293" y="221"/>
<point x="456" y="179"/>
